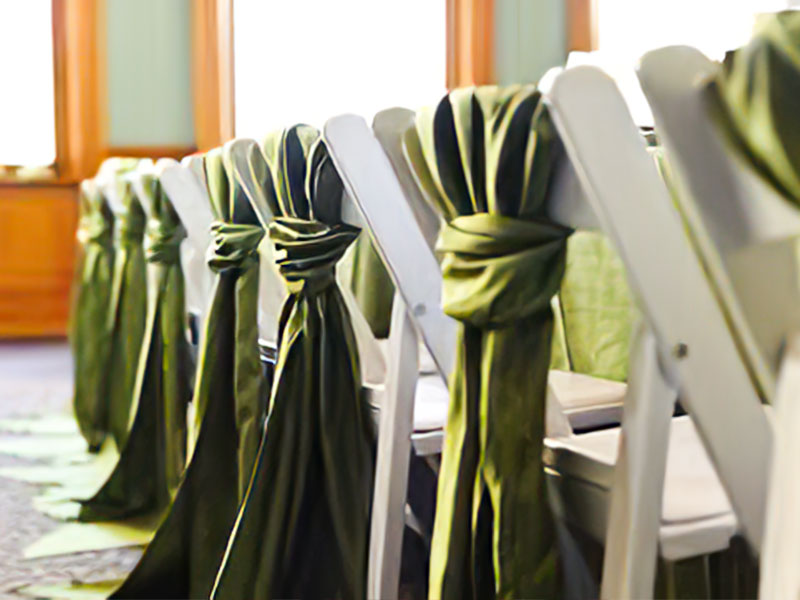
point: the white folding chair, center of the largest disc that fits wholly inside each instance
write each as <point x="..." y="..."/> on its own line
<point x="189" y="197"/>
<point x="377" y="177"/>
<point x="748" y="237"/>
<point x="666" y="494"/>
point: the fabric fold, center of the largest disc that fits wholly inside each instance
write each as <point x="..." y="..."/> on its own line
<point x="128" y="309"/>
<point x="302" y="530"/>
<point x="90" y="337"/>
<point x="485" y="159"/>
<point x="230" y="400"/>
<point x="151" y="463"/>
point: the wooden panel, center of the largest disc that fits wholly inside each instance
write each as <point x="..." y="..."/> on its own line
<point x="37" y="227"/>
<point x="176" y="152"/>
<point x="470" y="42"/>
<point x="582" y="25"/>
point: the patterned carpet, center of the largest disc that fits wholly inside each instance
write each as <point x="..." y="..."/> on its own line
<point x="35" y="379"/>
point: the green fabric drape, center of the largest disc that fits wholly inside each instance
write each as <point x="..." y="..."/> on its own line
<point x="594" y="312"/>
<point x="302" y="531"/>
<point x="372" y="286"/>
<point x="90" y="337"/>
<point x="183" y="558"/>
<point x="157" y="440"/>
<point x="756" y="97"/>
<point x="485" y="157"/>
<point x="128" y="311"/>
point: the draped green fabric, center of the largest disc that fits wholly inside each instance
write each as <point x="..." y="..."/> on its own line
<point x="90" y="337"/>
<point x="183" y="558"/>
<point x="302" y="531"/>
<point x="595" y="311"/>
<point x="157" y="440"/>
<point x="372" y="286"/>
<point x="485" y="157"/>
<point x="756" y="97"/>
<point x="127" y="312"/>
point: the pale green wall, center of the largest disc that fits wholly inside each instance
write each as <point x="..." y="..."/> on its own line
<point x="149" y="76"/>
<point x="530" y="37"/>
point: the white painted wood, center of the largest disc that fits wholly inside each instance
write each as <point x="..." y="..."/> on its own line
<point x="779" y="576"/>
<point x="636" y="211"/>
<point x="369" y="179"/>
<point x="731" y="211"/>
<point x="189" y="197"/>
<point x="629" y="566"/>
<point x="394" y="450"/>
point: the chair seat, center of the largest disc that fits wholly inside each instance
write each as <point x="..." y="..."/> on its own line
<point x="588" y="402"/>
<point x="697" y="517"/>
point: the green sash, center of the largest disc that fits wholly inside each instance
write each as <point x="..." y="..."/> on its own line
<point x="372" y="286"/>
<point x="302" y="531"/>
<point x="756" y="97"/>
<point x="151" y="463"/>
<point x="182" y="559"/>
<point x="127" y="313"/>
<point x="485" y="157"/>
<point x="90" y="337"/>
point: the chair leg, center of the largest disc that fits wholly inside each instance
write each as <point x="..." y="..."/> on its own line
<point x="394" y="450"/>
<point x="780" y="577"/>
<point x="635" y="513"/>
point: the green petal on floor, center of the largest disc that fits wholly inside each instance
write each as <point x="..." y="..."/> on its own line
<point x="84" y="537"/>
<point x="93" y="472"/>
<point x="67" y="590"/>
<point x="43" y="446"/>
<point x="52" y="424"/>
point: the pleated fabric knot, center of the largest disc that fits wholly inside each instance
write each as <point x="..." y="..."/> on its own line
<point x="130" y="226"/>
<point x="235" y="246"/>
<point x="94" y="228"/>
<point x="499" y="269"/>
<point x="164" y="241"/>
<point x="306" y="252"/>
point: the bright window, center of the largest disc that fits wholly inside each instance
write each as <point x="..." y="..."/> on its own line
<point x="27" y="104"/>
<point x="627" y="29"/>
<point x="304" y="61"/>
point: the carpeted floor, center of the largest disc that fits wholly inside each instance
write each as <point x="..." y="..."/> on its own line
<point x="35" y="379"/>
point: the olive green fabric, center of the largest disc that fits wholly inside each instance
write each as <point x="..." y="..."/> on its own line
<point x="89" y="334"/>
<point x="302" y="531"/>
<point x="127" y="312"/>
<point x="157" y="440"/>
<point x="372" y="286"/>
<point x="183" y="558"/>
<point x="485" y="157"/>
<point x="756" y="97"/>
<point x="594" y="312"/>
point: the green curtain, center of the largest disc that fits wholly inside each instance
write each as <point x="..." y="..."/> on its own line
<point x="230" y="398"/>
<point x="90" y="337"/>
<point x="127" y="312"/>
<point x="156" y="444"/>
<point x="302" y="531"/>
<point x="756" y="98"/>
<point x="485" y="156"/>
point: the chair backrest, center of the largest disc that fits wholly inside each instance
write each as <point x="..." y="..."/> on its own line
<point x="272" y="291"/>
<point x="745" y="230"/>
<point x="189" y="197"/>
<point x="698" y="351"/>
<point x="371" y="181"/>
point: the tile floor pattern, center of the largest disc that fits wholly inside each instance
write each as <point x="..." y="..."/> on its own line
<point x="35" y="378"/>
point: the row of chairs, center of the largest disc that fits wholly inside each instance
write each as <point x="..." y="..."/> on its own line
<point x="644" y="482"/>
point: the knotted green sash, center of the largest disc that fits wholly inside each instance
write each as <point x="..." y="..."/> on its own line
<point x="372" y="287"/>
<point x="128" y="311"/>
<point x="151" y="463"/>
<point x="756" y="97"/>
<point x="90" y="337"/>
<point x="485" y="158"/>
<point x="183" y="558"/>
<point x="302" y="531"/>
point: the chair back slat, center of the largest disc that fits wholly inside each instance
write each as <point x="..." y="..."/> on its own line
<point x="697" y="348"/>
